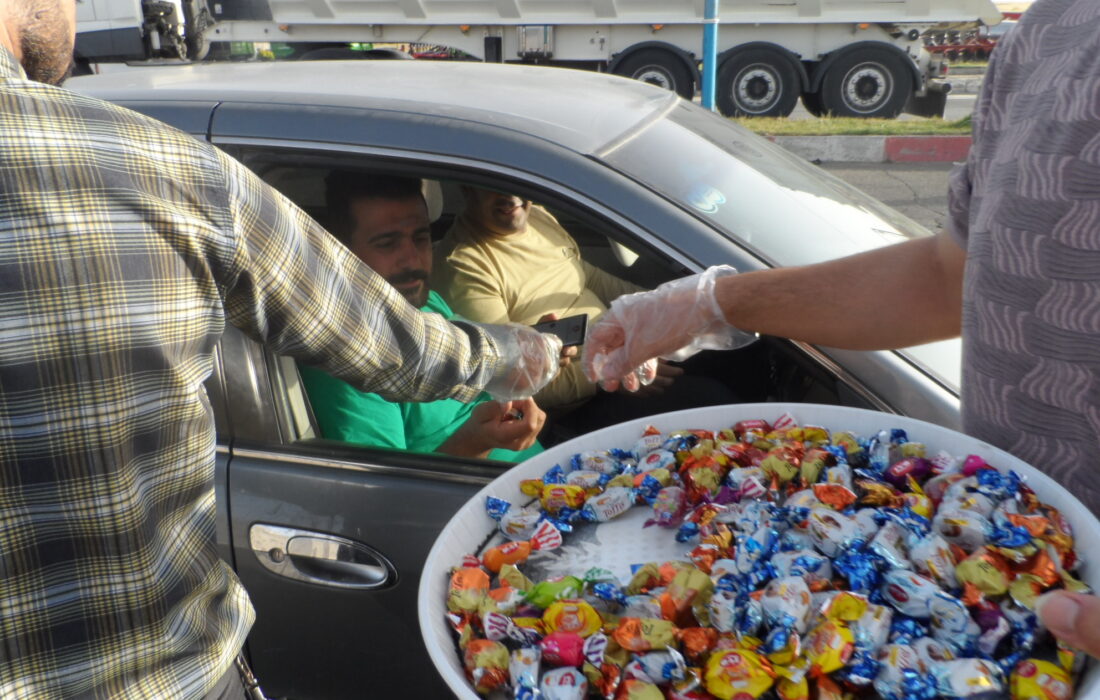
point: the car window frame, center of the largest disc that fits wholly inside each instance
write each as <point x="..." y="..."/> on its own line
<point x="554" y="194"/>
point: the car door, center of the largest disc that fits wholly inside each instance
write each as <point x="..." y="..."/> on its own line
<point x="328" y="538"/>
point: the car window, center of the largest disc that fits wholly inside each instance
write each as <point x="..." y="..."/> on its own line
<point x="770" y="370"/>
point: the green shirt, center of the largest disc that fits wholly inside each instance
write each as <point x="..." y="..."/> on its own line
<point x="345" y="413"/>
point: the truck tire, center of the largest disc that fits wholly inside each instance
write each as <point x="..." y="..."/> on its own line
<point x="868" y="82"/>
<point x="757" y="83"/>
<point x="660" y="68"/>
<point x="196" y="20"/>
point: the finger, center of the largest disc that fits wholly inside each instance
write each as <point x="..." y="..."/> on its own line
<point x="548" y="317"/>
<point x="1072" y="617"/>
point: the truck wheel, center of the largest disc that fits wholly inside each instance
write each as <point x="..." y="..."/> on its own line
<point x="196" y="20"/>
<point x="660" y="68"/>
<point x="868" y="82"/>
<point x="757" y="83"/>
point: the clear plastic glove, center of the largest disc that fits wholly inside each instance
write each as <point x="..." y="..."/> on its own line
<point x="528" y="360"/>
<point x="674" y="321"/>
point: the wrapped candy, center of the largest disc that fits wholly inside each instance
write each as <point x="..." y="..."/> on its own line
<point x="546" y="537"/>
<point x="821" y="566"/>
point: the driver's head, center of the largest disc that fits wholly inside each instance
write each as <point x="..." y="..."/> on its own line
<point x="384" y="221"/>
<point x="41" y="34"/>
<point x="495" y="212"/>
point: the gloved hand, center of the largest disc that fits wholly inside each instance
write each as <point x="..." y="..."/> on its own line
<point x="528" y="360"/>
<point x="674" y="321"/>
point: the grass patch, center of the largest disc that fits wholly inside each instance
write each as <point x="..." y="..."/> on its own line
<point x="851" y="126"/>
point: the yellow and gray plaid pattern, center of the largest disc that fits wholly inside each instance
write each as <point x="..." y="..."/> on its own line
<point x="124" y="246"/>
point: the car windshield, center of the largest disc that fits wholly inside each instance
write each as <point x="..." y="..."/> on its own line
<point x="789" y="211"/>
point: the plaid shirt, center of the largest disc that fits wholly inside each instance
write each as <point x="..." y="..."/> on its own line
<point x="124" y="247"/>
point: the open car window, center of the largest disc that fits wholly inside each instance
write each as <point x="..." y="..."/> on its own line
<point x="770" y="370"/>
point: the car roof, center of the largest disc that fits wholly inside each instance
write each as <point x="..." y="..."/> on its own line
<point x="580" y="110"/>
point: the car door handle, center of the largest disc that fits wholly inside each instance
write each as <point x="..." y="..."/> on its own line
<point x="321" y="558"/>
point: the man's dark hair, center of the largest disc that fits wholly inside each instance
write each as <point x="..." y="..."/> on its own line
<point x="342" y="187"/>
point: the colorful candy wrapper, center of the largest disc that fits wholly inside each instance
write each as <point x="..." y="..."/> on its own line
<point x="612" y="503"/>
<point x="546" y="537"/>
<point x="831" y="532"/>
<point x="555" y="497"/>
<point x="563" y="684"/>
<point x="523" y="667"/>
<point x="969" y="679"/>
<point x="931" y="557"/>
<point x="786" y="603"/>
<point x="657" y="667"/>
<point x="634" y="689"/>
<point x="1036" y="679"/>
<point x="486" y="665"/>
<point x="829" y="646"/>
<point x="543" y="593"/>
<point x="575" y="616"/>
<point x="469" y="586"/>
<point x="737" y="673"/>
<point x="909" y="593"/>
<point x="951" y="624"/>
<point x="562" y="649"/>
<point x="644" y="634"/>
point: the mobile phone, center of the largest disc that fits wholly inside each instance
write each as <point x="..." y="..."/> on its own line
<point x="571" y="329"/>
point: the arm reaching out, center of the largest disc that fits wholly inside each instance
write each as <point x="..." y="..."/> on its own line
<point x="890" y="297"/>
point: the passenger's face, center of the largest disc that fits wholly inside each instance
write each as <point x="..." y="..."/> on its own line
<point x="394" y="238"/>
<point x="48" y="32"/>
<point x="495" y="212"/>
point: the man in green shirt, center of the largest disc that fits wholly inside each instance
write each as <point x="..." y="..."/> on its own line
<point x="385" y="222"/>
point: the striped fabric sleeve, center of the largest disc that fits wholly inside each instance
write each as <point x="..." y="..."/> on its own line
<point x="293" y="286"/>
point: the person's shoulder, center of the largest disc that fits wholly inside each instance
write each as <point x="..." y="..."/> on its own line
<point x="106" y="121"/>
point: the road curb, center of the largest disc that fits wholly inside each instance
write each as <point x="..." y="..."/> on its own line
<point x="877" y="149"/>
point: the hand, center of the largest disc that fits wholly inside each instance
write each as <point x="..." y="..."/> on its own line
<point x="674" y="321"/>
<point x="567" y="354"/>
<point x="528" y="360"/>
<point x="1072" y="617"/>
<point x="666" y="375"/>
<point x="508" y="425"/>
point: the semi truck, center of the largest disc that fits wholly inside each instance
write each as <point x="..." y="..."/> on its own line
<point x="862" y="58"/>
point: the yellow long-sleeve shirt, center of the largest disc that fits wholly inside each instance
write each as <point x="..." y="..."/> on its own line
<point x="520" y="278"/>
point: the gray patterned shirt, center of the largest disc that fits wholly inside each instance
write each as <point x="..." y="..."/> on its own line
<point x="1026" y="205"/>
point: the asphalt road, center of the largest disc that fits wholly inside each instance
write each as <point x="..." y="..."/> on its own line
<point x="918" y="190"/>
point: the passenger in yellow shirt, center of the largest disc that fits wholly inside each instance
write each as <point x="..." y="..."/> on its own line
<point x="505" y="259"/>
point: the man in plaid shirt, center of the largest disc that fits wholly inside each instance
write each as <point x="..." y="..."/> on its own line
<point x="125" y="246"/>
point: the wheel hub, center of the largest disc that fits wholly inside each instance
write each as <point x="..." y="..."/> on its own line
<point x="756" y="88"/>
<point x="654" y="76"/>
<point x="867" y="87"/>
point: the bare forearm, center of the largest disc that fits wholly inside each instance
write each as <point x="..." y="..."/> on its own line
<point x="890" y="297"/>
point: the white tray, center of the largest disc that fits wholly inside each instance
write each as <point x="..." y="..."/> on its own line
<point x="470" y="526"/>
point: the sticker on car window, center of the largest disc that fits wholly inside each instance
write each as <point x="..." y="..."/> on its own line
<point x="706" y="199"/>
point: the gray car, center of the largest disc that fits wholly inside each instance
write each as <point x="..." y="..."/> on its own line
<point x="330" y="538"/>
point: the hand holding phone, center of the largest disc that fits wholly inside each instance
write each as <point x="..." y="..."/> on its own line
<point x="571" y="329"/>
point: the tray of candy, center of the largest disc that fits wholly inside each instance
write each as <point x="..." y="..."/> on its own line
<point x="620" y="544"/>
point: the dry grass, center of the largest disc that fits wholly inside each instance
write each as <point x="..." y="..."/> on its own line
<point x="848" y="126"/>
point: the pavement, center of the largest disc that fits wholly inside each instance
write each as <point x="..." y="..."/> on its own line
<point x="918" y="190"/>
<point x="891" y="149"/>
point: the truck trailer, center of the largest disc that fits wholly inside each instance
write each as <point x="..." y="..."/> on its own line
<point x="861" y="58"/>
